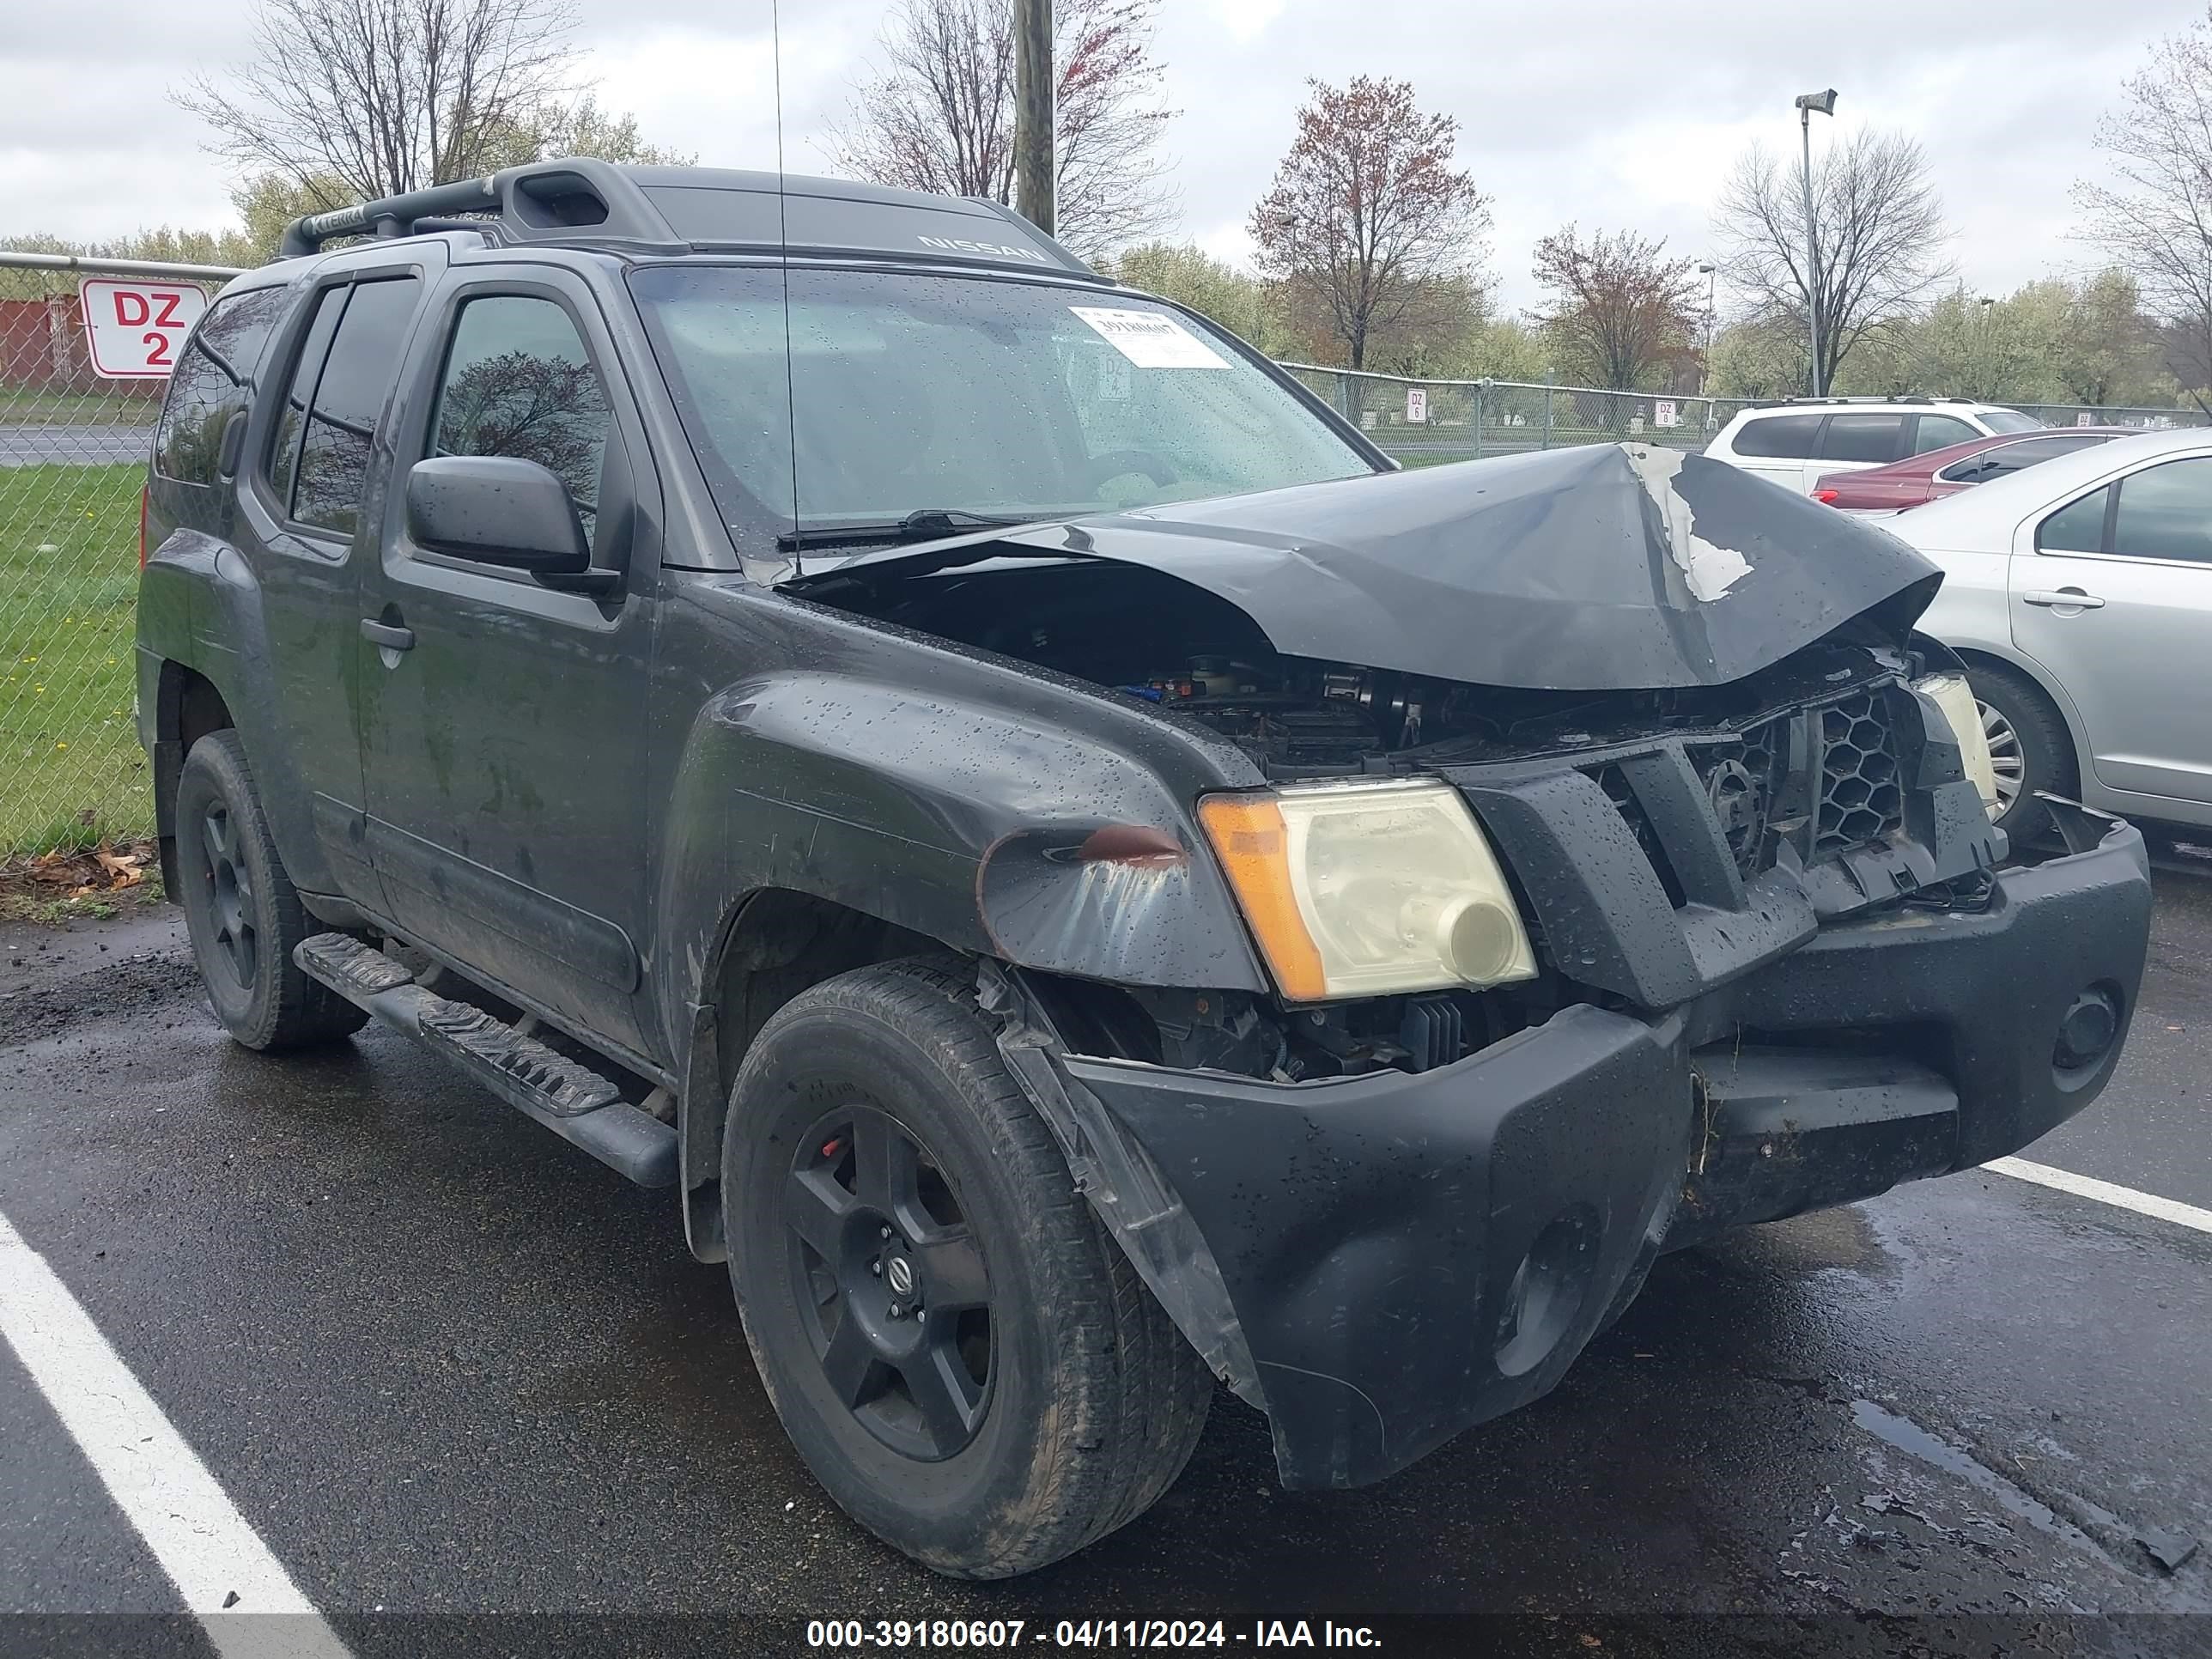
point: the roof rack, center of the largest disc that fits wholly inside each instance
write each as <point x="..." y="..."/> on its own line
<point x="675" y="209"/>
<point x="562" y="195"/>
<point x="1864" y="397"/>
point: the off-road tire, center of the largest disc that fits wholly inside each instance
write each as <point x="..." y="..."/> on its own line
<point x="268" y="1003"/>
<point x="1094" y="1402"/>
<point x="2046" y="749"/>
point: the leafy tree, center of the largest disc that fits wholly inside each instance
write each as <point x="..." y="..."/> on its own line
<point x="1969" y="348"/>
<point x="1499" y="349"/>
<point x="1367" y="222"/>
<point x="268" y="202"/>
<point x="1759" y="358"/>
<point x="1619" y="309"/>
<point x="2107" y="351"/>
<point x="940" y="115"/>
<point x="196" y="248"/>
<point x="1189" y="276"/>
<point x="1422" y="340"/>
<point x="1879" y="226"/>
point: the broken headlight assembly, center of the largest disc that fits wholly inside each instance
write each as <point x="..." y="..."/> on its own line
<point x="1962" y="713"/>
<point x="1368" y="888"/>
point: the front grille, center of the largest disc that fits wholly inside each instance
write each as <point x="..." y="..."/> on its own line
<point x="1861" y="798"/>
<point x="1742" y="784"/>
<point x="1614" y="782"/>
<point x="1749" y="788"/>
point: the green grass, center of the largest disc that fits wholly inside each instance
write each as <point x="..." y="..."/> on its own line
<point x="68" y="578"/>
<point x="24" y="406"/>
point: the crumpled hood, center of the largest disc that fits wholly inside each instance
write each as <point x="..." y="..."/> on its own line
<point x="1607" y="567"/>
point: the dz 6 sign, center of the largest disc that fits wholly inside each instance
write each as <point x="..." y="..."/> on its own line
<point x="134" y="330"/>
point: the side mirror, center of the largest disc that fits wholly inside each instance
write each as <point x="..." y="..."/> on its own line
<point x="499" y="510"/>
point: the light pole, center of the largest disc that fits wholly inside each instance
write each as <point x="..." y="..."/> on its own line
<point x="1987" y="374"/>
<point x="1807" y="103"/>
<point x="1712" y="274"/>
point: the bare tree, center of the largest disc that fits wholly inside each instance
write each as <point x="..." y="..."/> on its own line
<point x="370" y="98"/>
<point x="2157" y="225"/>
<point x="940" y="115"/>
<point x="1879" y="227"/>
<point x="1618" y="309"/>
<point x="1367" y="217"/>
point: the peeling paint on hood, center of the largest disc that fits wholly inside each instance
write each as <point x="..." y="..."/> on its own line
<point x="1708" y="570"/>
<point x="1607" y="566"/>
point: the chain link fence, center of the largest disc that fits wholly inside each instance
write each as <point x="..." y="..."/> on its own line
<point x="1423" y="423"/>
<point x="73" y="450"/>
<point x="1427" y="423"/>
<point x="2151" y="420"/>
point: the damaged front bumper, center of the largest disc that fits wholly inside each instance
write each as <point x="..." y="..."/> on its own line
<point x="1381" y="1261"/>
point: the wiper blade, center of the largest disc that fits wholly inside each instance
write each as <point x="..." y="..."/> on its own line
<point x="925" y="525"/>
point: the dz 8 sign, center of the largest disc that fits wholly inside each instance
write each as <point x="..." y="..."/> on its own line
<point x="134" y="331"/>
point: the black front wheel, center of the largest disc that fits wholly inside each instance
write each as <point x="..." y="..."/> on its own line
<point x="965" y="1359"/>
<point x="241" y="910"/>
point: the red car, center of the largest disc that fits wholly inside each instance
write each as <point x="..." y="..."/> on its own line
<point x="1946" y="472"/>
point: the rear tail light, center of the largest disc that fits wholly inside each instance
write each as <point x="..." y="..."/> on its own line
<point x="145" y="498"/>
<point x="1827" y="497"/>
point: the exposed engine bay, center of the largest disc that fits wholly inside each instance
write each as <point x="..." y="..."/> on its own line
<point x="1190" y="653"/>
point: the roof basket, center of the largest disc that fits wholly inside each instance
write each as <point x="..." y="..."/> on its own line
<point x="669" y="210"/>
<point x="541" y="198"/>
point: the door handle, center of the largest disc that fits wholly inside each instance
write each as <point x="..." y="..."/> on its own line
<point x="2064" y="596"/>
<point x="403" y="639"/>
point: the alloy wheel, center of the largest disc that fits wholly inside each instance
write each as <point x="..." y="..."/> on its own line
<point x="891" y="1282"/>
<point x="230" y="886"/>
<point x="2006" y="758"/>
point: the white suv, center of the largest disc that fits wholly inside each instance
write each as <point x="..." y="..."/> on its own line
<point x="1796" y="443"/>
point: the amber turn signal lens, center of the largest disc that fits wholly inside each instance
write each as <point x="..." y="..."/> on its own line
<point x="1249" y="838"/>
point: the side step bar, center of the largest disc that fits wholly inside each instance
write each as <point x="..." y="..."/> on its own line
<point x="576" y="1102"/>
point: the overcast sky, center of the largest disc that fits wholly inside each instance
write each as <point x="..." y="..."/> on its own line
<point x="1608" y="112"/>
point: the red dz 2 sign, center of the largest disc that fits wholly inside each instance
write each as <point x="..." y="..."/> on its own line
<point x="133" y="330"/>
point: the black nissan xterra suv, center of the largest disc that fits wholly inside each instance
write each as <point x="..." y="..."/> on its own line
<point x="1081" y="878"/>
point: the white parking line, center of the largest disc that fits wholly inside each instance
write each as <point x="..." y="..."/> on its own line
<point x="2081" y="1185"/>
<point x="215" y="1560"/>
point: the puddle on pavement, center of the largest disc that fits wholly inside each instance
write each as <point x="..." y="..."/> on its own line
<point x="1909" y="1438"/>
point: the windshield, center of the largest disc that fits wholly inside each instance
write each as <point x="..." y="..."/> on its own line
<point x="2010" y="420"/>
<point x="914" y="395"/>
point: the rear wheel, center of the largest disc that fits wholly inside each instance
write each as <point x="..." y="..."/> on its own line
<point x="241" y="910"/>
<point x="2029" y="748"/>
<point x="965" y="1359"/>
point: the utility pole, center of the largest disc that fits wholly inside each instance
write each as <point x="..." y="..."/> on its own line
<point x="1807" y="103"/>
<point x="1712" y="274"/>
<point x="1033" y="112"/>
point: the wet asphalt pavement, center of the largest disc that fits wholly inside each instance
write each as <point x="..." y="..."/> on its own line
<point x="445" y="1364"/>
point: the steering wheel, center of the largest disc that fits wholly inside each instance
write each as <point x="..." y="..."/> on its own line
<point x="1115" y="463"/>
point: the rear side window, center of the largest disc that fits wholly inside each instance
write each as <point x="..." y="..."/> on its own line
<point x="518" y="382"/>
<point x="1788" y="437"/>
<point x="2076" y="527"/>
<point x="213" y="380"/>
<point x="2010" y="458"/>
<point x="284" y="448"/>
<point x="1873" y="438"/>
<point x="1941" y="431"/>
<point x="2166" y="513"/>
<point x="356" y="377"/>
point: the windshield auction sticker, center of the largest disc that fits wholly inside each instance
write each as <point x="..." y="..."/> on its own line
<point x="1150" y="339"/>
